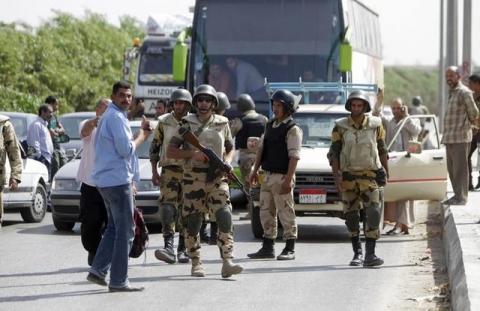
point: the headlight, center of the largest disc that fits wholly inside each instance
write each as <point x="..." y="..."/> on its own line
<point x="146" y="185"/>
<point x="65" y="185"/>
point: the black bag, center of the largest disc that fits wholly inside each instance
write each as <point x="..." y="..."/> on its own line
<point x="140" y="240"/>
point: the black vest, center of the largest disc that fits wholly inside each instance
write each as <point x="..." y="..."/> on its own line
<point x="252" y="126"/>
<point x="275" y="151"/>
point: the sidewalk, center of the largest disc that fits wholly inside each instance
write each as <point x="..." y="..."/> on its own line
<point x="461" y="240"/>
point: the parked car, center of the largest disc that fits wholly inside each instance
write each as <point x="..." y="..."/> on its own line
<point x="66" y="190"/>
<point x="30" y="199"/>
<point x="413" y="176"/>
<point x="71" y="123"/>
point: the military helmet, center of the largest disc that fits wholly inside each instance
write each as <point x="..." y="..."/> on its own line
<point x="205" y="89"/>
<point x="223" y="102"/>
<point x="357" y="95"/>
<point x="245" y="103"/>
<point x="417" y="101"/>
<point x="287" y="99"/>
<point x="181" y="94"/>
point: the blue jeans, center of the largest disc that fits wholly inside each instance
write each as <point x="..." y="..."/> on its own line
<point x="112" y="253"/>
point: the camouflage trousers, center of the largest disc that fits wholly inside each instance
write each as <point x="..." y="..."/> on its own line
<point x="273" y="204"/>
<point x="170" y="200"/>
<point x="361" y="193"/>
<point x="200" y="197"/>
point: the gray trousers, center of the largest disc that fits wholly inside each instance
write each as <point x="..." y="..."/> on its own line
<point x="457" y="166"/>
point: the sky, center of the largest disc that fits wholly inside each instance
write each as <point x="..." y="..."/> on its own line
<point x="410" y="28"/>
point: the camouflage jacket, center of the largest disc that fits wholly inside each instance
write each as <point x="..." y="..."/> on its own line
<point x="9" y="148"/>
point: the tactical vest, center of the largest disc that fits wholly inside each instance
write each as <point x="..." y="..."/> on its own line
<point x="253" y="125"/>
<point x="170" y="128"/>
<point x="275" y="151"/>
<point x="212" y="135"/>
<point x="359" y="146"/>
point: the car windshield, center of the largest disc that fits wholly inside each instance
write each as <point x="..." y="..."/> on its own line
<point x="20" y="126"/>
<point x="156" y="66"/>
<point x="143" y="152"/>
<point x="72" y="125"/>
<point x="317" y="128"/>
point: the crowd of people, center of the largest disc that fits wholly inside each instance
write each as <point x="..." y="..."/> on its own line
<point x="358" y="156"/>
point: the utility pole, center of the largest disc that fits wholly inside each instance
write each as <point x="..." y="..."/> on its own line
<point x="467" y="38"/>
<point x="441" y="67"/>
<point x="452" y="33"/>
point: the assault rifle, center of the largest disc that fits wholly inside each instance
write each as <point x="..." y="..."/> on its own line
<point x="216" y="165"/>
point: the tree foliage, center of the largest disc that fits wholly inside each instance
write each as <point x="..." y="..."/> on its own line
<point x="76" y="60"/>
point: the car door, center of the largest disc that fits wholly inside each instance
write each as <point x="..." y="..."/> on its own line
<point x="422" y="175"/>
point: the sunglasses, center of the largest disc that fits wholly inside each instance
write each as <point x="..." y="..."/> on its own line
<point x="208" y="99"/>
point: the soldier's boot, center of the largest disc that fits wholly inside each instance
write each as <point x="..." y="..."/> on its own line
<point x="213" y="233"/>
<point x="357" y="259"/>
<point x="197" y="268"/>
<point x="229" y="269"/>
<point x="204" y="238"/>
<point x="370" y="259"/>
<point x="288" y="252"/>
<point x="181" y="250"/>
<point x="167" y="254"/>
<point x="266" y="251"/>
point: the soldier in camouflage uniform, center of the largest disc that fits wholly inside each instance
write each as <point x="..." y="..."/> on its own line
<point x="358" y="156"/>
<point x="250" y="124"/>
<point x="199" y="195"/>
<point x="9" y="148"/>
<point x="170" y="181"/>
<point x="278" y="154"/>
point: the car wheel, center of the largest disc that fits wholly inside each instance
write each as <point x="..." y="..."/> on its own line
<point x="36" y="211"/>
<point x="63" y="225"/>
<point x="257" y="228"/>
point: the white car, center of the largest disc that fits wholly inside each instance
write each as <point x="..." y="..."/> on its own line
<point x="413" y="176"/>
<point x="30" y="199"/>
<point x="66" y="190"/>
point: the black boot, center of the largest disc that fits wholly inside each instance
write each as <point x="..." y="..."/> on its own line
<point x="166" y="254"/>
<point x="357" y="259"/>
<point x="266" y="251"/>
<point x="288" y="252"/>
<point x="370" y="259"/>
<point x="181" y="250"/>
<point x="213" y="233"/>
<point x="204" y="238"/>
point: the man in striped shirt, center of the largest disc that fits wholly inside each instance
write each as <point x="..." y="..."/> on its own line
<point x="461" y="113"/>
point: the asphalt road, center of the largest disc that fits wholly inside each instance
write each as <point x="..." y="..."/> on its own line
<point x="41" y="269"/>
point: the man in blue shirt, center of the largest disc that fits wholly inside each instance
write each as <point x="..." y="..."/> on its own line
<point x="114" y="170"/>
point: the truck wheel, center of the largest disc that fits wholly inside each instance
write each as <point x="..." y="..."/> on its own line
<point x="63" y="225"/>
<point x="36" y="211"/>
<point x="257" y="228"/>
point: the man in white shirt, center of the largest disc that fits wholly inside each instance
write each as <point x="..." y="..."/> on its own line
<point x="93" y="214"/>
<point x="39" y="139"/>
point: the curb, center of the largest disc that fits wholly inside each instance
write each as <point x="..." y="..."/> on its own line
<point x="454" y="261"/>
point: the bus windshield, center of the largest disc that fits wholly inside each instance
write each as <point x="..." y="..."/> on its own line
<point x="155" y="67"/>
<point x="237" y="44"/>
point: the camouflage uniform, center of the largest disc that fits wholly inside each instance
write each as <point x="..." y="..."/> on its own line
<point x="201" y="196"/>
<point x="361" y="190"/>
<point x="8" y="148"/>
<point x="170" y="200"/>
<point x="271" y="201"/>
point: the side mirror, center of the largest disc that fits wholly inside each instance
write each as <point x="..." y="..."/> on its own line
<point x="414" y="147"/>
<point x="346" y="53"/>
<point x="179" y="64"/>
<point x="63" y="139"/>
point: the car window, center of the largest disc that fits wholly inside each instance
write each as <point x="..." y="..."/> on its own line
<point x="428" y="135"/>
<point x="20" y="126"/>
<point x="317" y="127"/>
<point x="143" y="152"/>
<point x="72" y="125"/>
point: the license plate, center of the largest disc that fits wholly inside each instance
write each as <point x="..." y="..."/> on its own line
<point x="313" y="196"/>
